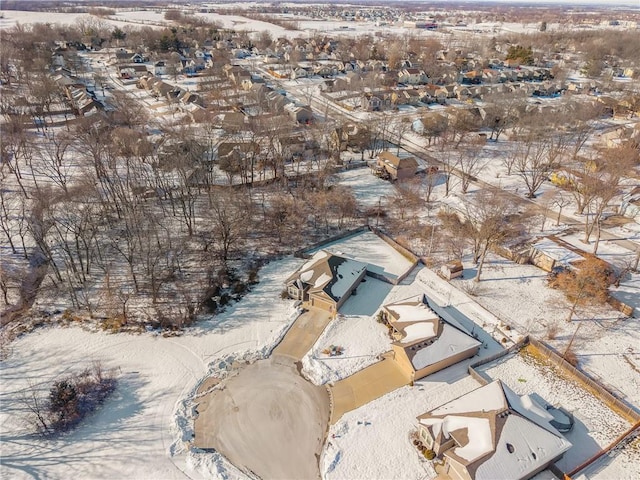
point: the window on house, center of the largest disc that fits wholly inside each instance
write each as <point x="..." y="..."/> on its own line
<point x="428" y="441"/>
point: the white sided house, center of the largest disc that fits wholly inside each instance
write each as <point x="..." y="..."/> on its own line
<point x="492" y="433"/>
<point x="425" y="343"/>
<point x="326" y="281"/>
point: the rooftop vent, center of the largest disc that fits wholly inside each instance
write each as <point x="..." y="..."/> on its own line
<point x="510" y="448"/>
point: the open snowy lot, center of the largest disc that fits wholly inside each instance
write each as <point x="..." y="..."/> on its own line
<point x="606" y="344"/>
<point x="140" y="432"/>
<point x="369" y="190"/>
<point x="596" y="426"/>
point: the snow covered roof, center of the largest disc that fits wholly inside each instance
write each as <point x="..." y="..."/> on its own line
<point x="426" y="339"/>
<point x="410" y="310"/>
<point x="329" y="275"/>
<point x="556" y="251"/>
<point x="396" y="162"/>
<point x="497" y="433"/>
<point x="449" y="343"/>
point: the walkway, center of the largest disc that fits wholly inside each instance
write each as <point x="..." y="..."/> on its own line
<point x="302" y="335"/>
<point x="366" y="385"/>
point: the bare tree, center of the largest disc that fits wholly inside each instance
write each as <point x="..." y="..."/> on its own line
<point x="502" y="112"/>
<point x="469" y="162"/>
<point x="229" y="213"/>
<point x="532" y="163"/>
<point x="604" y="184"/>
<point x="488" y="221"/>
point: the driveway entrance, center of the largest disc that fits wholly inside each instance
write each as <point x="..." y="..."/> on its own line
<point x="366" y="385"/>
<point x="303" y="334"/>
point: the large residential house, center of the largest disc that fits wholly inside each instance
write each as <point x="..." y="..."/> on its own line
<point x="397" y="168"/>
<point x="425" y="343"/>
<point x="326" y="281"/>
<point x="492" y="433"/>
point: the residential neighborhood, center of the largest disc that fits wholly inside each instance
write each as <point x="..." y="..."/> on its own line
<point x="335" y="241"/>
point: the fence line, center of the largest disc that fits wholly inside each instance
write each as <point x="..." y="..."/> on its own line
<point x="617" y="404"/>
<point x="481" y="378"/>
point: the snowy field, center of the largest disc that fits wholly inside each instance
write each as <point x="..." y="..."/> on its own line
<point x="12" y="18"/>
<point x="141" y="431"/>
<point x="596" y="426"/>
<point x="606" y="344"/>
<point x="367" y="247"/>
<point x="369" y="190"/>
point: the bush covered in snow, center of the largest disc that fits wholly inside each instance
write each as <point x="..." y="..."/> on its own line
<point x="70" y="399"/>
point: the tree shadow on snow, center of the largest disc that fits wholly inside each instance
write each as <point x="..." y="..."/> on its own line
<point x="100" y="441"/>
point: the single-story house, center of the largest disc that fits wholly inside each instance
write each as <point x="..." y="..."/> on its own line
<point x="132" y="71"/>
<point x="326" y="281"/>
<point x="397" y="168"/>
<point x="492" y="432"/>
<point x="425" y="343"/>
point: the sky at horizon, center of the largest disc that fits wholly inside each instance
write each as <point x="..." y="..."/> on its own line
<point x="604" y="3"/>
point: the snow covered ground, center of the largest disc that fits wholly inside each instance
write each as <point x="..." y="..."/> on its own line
<point x="606" y="344"/>
<point x="373" y="441"/>
<point x="141" y="431"/>
<point x="367" y="247"/>
<point x="369" y="190"/>
<point x="12" y="18"/>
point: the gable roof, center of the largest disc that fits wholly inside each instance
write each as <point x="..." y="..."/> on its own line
<point x="328" y="275"/>
<point x="397" y="162"/>
<point x="497" y="433"/>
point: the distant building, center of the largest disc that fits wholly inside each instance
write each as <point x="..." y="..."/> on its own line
<point x="397" y="168"/>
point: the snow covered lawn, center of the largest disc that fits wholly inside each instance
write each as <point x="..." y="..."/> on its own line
<point x="141" y="430"/>
<point x="368" y="189"/>
<point x="367" y="247"/>
<point x="373" y="441"/>
<point x="606" y="344"/>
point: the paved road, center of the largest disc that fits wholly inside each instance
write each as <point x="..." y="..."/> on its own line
<point x="302" y="335"/>
<point x="366" y="385"/>
<point x="267" y="420"/>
